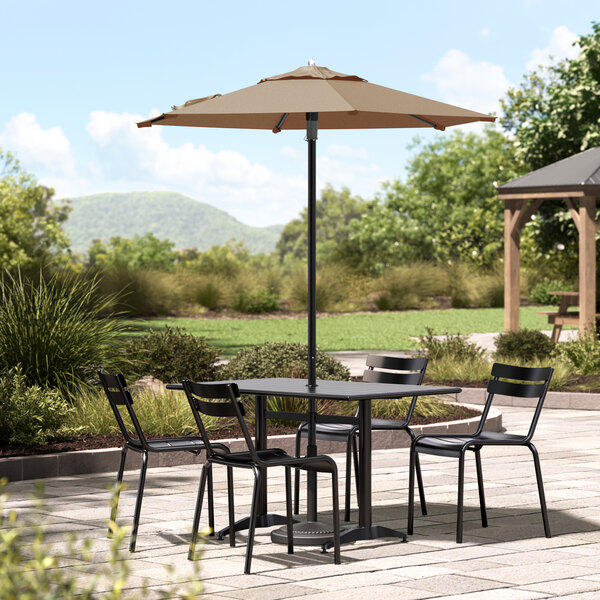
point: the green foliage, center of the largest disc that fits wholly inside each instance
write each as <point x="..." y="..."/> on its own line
<point x="56" y="330"/>
<point x="140" y="252"/>
<point x="427" y="407"/>
<point x="448" y="208"/>
<point x="539" y="292"/>
<point x="474" y="288"/>
<point x="446" y="367"/>
<point x="256" y="301"/>
<point x="582" y="354"/>
<point x="141" y="292"/>
<point x="30" y="414"/>
<point x="456" y="347"/>
<point x="32" y="569"/>
<point x="171" y="355"/>
<point x="30" y="225"/>
<point x="227" y="260"/>
<point x="205" y="290"/>
<point x="160" y="414"/>
<point x="523" y="345"/>
<point x="335" y="211"/>
<point x="404" y="287"/>
<point x="168" y="215"/>
<point x="333" y="285"/>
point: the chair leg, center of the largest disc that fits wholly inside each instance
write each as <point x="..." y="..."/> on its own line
<point x="540" y="484"/>
<point x="336" y="519"/>
<point x="211" y="505"/>
<point x="420" y="485"/>
<point x="484" y="522"/>
<point x="138" y="502"/>
<point x="231" y="506"/>
<point x="459" y="504"/>
<point x="115" y="499"/>
<point x="201" y="486"/>
<point x="252" y="523"/>
<point x="356" y="466"/>
<point x="411" y="491"/>
<point x="348" y="477"/>
<point x="288" y="509"/>
<point x="297" y="477"/>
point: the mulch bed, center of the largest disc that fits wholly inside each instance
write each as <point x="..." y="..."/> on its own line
<point x="114" y="440"/>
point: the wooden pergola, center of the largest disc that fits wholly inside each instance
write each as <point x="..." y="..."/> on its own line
<point x="576" y="180"/>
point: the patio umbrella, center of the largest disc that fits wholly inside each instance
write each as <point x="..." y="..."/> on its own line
<point x="310" y="98"/>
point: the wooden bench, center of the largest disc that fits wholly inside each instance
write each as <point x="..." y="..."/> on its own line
<point x="562" y="316"/>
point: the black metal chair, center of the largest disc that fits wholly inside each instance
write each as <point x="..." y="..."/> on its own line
<point x="121" y="400"/>
<point x="256" y="460"/>
<point x="534" y="383"/>
<point x="405" y="371"/>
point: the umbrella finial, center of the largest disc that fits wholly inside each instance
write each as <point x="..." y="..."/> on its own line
<point x="311" y="62"/>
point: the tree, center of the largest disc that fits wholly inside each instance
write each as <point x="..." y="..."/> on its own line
<point x="448" y="208"/>
<point x="30" y="224"/>
<point x="556" y="111"/>
<point x="554" y="114"/>
<point x="335" y="211"/>
<point x="140" y="252"/>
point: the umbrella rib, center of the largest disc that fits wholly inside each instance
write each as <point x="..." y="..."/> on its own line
<point x="434" y="125"/>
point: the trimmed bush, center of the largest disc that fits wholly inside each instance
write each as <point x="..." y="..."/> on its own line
<point x="523" y="345"/>
<point x="255" y="301"/>
<point x="172" y="355"/>
<point x="30" y="414"/>
<point x="55" y="330"/>
<point x="539" y="292"/>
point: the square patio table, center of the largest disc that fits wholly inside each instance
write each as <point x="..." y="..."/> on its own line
<point x="309" y="532"/>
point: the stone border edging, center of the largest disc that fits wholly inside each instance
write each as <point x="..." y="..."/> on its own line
<point x="103" y="460"/>
<point x="565" y="400"/>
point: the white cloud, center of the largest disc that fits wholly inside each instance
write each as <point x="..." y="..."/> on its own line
<point x="485" y="32"/>
<point x="460" y="80"/>
<point x="560" y="46"/>
<point x="38" y="149"/>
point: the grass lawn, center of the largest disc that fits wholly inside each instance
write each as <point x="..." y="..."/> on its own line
<point x="374" y="331"/>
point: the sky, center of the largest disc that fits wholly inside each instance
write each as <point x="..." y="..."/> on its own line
<point x="77" y="75"/>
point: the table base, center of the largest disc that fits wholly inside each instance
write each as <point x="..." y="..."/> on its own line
<point x="358" y="534"/>
<point x="261" y="521"/>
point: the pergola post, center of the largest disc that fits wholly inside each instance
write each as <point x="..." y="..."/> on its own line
<point x="512" y="264"/>
<point x="587" y="264"/>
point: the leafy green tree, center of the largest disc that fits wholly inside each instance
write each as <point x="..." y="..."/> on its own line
<point x="446" y="210"/>
<point x="30" y="224"/>
<point x="140" y="252"/>
<point x="335" y="211"/>
<point x="554" y="114"/>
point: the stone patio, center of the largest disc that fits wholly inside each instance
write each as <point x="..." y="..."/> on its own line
<point x="509" y="560"/>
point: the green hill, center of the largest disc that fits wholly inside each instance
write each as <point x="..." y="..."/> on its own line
<point x="167" y="215"/>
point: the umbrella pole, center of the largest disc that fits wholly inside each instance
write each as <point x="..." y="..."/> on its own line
<point x="311" y="138"/>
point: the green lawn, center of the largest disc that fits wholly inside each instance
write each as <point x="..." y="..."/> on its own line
<point x="375" y="331"/>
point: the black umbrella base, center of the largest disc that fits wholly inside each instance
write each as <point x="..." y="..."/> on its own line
<point x="306" y="533"/>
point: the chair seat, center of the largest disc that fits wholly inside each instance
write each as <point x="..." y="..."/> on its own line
<point x="331" y="432"/>
<point x="191" y="444"/>
<point x="387" y="424"/>
<point x="451" y="445"/>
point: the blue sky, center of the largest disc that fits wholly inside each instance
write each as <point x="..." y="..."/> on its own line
<point x="77" y="75"/>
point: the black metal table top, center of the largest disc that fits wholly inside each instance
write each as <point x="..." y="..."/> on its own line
<point x="333" y="390"/>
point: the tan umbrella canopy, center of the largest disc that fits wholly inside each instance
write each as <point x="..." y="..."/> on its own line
<point x="342" y="101"/>
<point x="308" y="98"/>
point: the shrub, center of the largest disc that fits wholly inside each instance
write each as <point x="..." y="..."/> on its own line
<point x="333" y="285"/>
<point x="204" y="289"/>
<point x="54" y="329"/>
<point x="256" y="301"/>
<point x="455" y="347"/>
<point x="141" y="292"/>
<point x="582" y="353"/>
<point x="30" y="414"/>
<point x="448" y="368"/>
<point x="539" y="292"/>
<point x="172" y="355"/>
<point x="283" y="359"/>
<point x="473" y="289"/>
<point x="524" y="345"/>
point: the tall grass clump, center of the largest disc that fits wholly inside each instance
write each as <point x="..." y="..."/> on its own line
<point x="470" y="288"/>
<point x="59" y="330"/>
<point x="334" y="284"/>
<point x="405" y="287"/>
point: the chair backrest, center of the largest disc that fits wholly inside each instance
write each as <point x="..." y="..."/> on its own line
<point x="520" y="382"/>
<point x="398" y="369"/>
<point x="119" y="396"/>
<point x="231" y="407"/>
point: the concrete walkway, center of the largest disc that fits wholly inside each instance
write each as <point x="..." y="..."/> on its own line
<point x="508" y="560"/>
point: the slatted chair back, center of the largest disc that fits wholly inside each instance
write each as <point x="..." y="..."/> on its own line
<point x="519" y="382"/>
<point x="230" y="407"/>
<point x="406" y="370"/>
<point x="120" y="399"/>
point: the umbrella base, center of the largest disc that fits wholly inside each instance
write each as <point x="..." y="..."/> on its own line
<point x="306" y="533"/>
